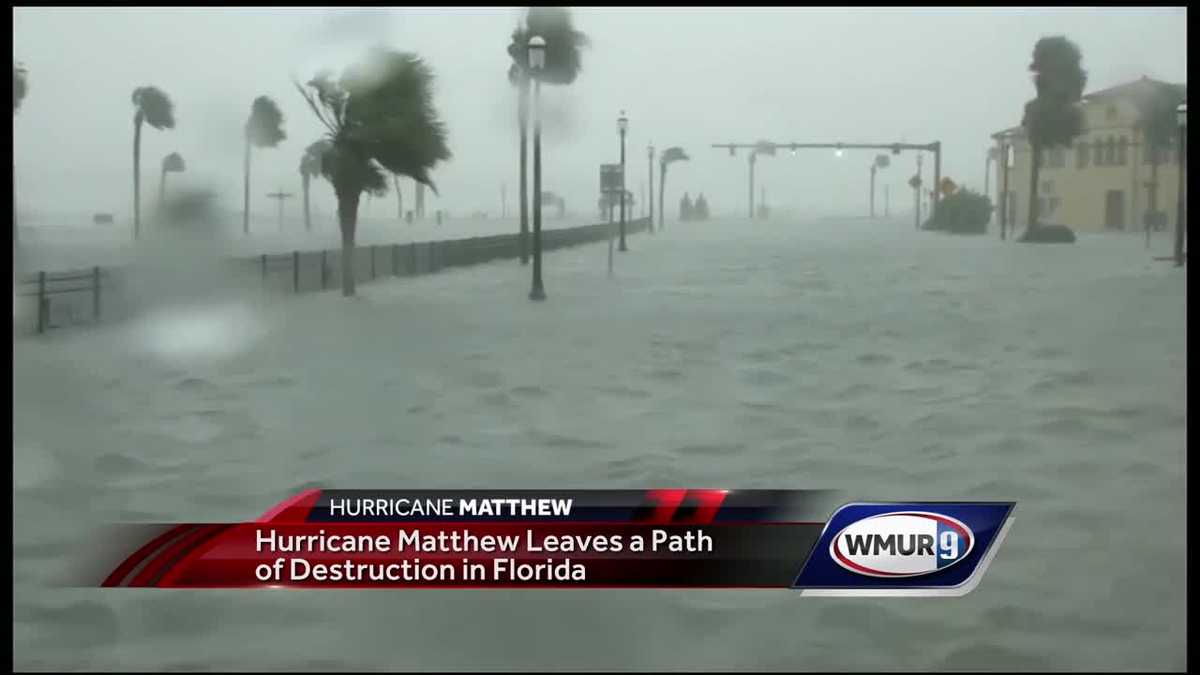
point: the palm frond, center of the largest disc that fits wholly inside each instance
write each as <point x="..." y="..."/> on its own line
<point x="264" y="128"/>
<point x="173" y="162"/>
<point x="155" y="106"/>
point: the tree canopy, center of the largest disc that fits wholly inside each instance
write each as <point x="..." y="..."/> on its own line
<point x="563" y="45"/>
<point x="154" y="107"/>
<point x="1053" y="118"/>
<point x="173" y="162"/>
<point x="264" y="128"/>
<point x="380" y="116"/>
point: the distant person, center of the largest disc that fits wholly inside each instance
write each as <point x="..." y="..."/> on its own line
<point x="701" y="208"/>
<point x="685" y="208"/>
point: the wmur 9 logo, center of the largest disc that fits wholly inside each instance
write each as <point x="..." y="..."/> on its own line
<point x="904" y="544"/>
<point x="895" y="549"/>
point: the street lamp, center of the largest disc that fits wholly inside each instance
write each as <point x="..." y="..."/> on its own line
<point x="537" y="62"/>
<point x="1181" y="119"/>
<point x="622" y="127"/>
<point x="650" y="170"/>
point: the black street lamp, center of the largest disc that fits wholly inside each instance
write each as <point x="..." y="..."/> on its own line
<point x="622" y="127"/>
<point x="650" y="168"/>
<point x="1181" y="118"/>
<point x="537" y="61"/>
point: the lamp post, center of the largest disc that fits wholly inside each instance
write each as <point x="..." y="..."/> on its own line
<point x="650" y="169"/>
<point x="1181" y="118"/>
<point x="622" y="127"/>
<point x="537" y="61"/>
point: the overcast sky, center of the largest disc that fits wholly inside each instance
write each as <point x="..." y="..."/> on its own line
<point x="687" y="77"/>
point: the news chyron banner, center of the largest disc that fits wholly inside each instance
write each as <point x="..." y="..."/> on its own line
<point x="671" y="538"/>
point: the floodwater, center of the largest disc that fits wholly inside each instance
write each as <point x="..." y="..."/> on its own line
<point x="854" y="355"/>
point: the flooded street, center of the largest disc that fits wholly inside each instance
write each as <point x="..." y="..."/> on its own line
<point x="848" y="354"/>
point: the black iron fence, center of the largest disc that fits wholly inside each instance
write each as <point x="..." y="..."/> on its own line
<point x="62" y="299"/>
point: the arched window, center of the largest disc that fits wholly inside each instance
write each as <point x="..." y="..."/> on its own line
<point x="1110" y="154"/>
<point x="1123" y="151"/>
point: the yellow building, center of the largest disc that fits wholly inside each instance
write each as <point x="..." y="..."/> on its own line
<point x="1102" y="182"/>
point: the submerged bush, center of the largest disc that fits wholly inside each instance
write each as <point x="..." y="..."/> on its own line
<point x="963" y="212"/>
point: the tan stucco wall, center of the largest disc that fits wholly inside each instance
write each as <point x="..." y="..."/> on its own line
<point x="1082" y="193"/>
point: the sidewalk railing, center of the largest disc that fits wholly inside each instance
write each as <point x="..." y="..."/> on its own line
<point x="61" y="297"/>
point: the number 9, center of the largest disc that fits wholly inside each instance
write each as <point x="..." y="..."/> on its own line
<point x="949" y="545"/>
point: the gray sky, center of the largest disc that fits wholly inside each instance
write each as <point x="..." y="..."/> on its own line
<point x="687" y="77"/>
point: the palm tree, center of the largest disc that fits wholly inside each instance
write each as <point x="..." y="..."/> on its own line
<point x="264" y="129"/>
<point x="151" y="106"/>
<point x="1053" y="118"/>
<point x="563" y="63"/>
<point x="20" y="88"/>
<point x="172" y="163"/>
<point x="1156" y="109"/>
<point x="310" y="168"/>
<point x="672" y="154"/>
<point x="380" y="117"/>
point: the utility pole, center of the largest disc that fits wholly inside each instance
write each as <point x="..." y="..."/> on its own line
<point x="280" y="196"/>
<point x="887" y="197"/>
<point x="503" y="200"/>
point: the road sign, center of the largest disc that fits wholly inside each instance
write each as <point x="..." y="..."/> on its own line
<point x="948" y="186"/>
<point x="914" y="182"/>
<point x="610" y="178"/>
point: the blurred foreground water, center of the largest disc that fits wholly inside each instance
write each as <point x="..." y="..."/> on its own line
<point x="854" y="355"/>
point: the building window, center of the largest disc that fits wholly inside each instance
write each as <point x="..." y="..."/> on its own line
<point x="1081" y="155"/>
<point x="1110" y="152"/>
<point x="1048" y="187"/>
<point x="1123" y="151"/>
<point x="1098" y="152"/>
<point x="1054" y="204"/>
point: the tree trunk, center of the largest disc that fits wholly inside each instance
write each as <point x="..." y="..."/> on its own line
<point x="246" y="190"/>
<point x="662" y="186"/>
<point x="305" y="179"/>
<point x="399" y="198"/>
<point x="872" y="190"/>
<point x="1034" y="172"/>
<point x="347" y="220"/>
<point x="523" y="120"/>
<point x="162" y="189"/>
<point x="137" y="175"/>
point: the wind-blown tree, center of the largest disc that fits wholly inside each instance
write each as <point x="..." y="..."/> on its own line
<point x="563" y="63"/>
<point x="151" y="106"/>
<point x="20" y="88"/>
<point x="380" y="117"/>
<point x="310" y="168"/>
<point x="172" y="163"/>
<point x="264" y="129"/>
<point x="1053" y="118"/>
<point x="670" y="155"/>
<point x="1156" y="112"/>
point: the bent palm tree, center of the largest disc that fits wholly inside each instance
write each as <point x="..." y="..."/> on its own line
<point x="563" y="63"/>
<point x="153" y="107"/>
<point x="672" y="154"/>
<point x="264" y="129"/>
<point x="380" y="117"/>
<point x="310" y="168"/>
<point x="172" y="163"/>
